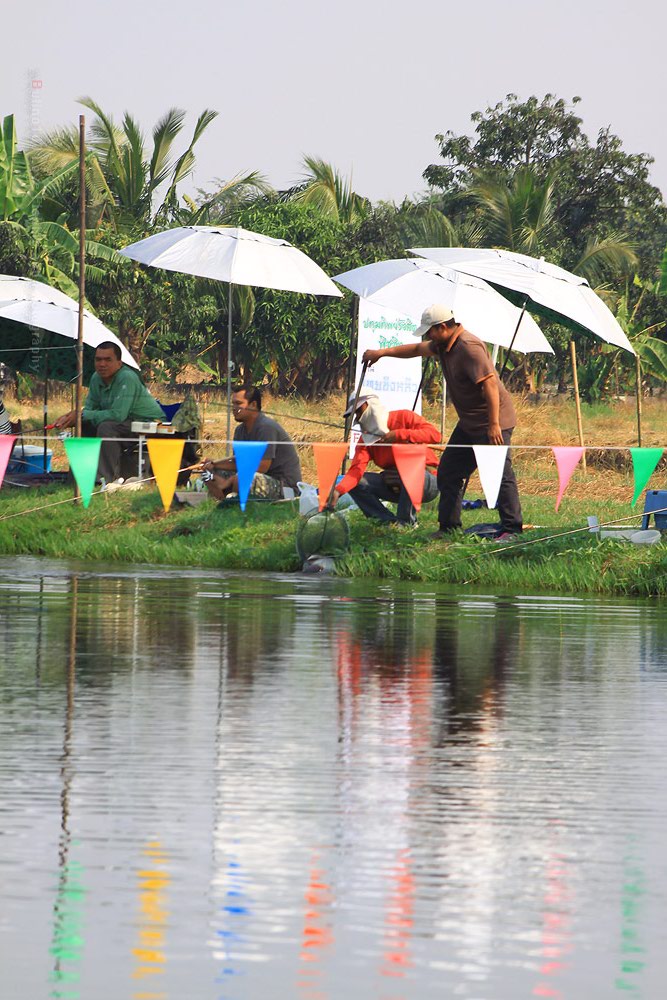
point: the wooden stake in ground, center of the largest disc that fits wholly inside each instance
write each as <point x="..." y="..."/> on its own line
<point x="638" y="392"/>
<point x="82" y="278"/>
<point x="82" y="269"/>
<point x="575" y="379"/>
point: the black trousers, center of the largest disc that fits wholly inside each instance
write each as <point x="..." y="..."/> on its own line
<point x="456" y="465"/>
<point x="111" y="452"/>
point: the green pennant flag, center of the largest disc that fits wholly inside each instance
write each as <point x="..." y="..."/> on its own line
<point x="644" y="461"/>
<point x="83" y="455"/>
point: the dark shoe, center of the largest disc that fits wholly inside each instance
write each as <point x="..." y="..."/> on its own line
<point x="506" y="536"/>
<point x="440" y="534"/>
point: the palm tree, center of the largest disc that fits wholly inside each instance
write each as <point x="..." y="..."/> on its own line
<point x="123" y="178"/>
<point x="518" y="215"/>
<point x="331" y="193"/>
<point x="54" y="248"/>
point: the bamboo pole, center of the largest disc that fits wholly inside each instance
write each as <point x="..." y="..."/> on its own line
<point x="442" y="412"/>
<point x="575" y="379"/>
<point x="638" y="391"/>
<point x="82" y="269"/>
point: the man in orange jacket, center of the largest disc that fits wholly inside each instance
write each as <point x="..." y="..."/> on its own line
<point x="379" y="429"/>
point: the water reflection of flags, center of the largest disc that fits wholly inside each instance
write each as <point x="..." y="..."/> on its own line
<point x="317" y="933"/>
<point x="150" y="953"/>
<point x="234" y="912"/>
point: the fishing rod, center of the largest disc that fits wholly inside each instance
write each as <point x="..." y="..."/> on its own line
<point x="521" y="544"/>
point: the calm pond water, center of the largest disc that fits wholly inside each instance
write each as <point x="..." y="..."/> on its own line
<point x="219" y="787"/>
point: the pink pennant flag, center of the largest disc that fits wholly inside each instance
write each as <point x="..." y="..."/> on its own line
<point x="6" y="445"/>
<point x="490" y="465"/>
<point x="566" y="462"/>
<point x="410" y="461"/>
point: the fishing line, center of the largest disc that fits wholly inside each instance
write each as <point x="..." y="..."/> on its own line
<point x="95" y="493"/>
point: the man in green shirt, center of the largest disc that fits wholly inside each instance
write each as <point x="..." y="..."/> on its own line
<point x="116" y="397"/>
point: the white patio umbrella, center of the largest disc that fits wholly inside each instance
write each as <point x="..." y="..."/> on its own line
<point x="544" y="288"/>
<point x="32" y="304"/>
<point x="28" y="307"/>
<point x="238" y="257"/>
<point x="409" y="286"/>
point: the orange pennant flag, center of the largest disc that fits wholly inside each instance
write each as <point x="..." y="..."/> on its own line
<point x="165" y="456"/>
<point x="328" y="459"/>
<point x="410" y="461"/>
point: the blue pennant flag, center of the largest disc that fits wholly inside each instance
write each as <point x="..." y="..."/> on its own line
<point x="248" y="455"/>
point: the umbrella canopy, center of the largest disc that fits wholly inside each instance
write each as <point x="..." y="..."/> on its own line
<point x="234" y="255"/>
<point x="237" y="256"/>
<point x="551" y="291"/>
<point x="39" y="331"/>
<point x="409" y="286"/>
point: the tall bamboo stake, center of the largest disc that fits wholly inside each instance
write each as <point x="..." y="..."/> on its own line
<point x="575" y="378"/>
<point x="442" y="412"/>
<point x="638" y="392"/>
<point x="82" y="269"/>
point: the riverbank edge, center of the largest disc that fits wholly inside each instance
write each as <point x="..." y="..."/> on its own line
<point x="133" y="528"/>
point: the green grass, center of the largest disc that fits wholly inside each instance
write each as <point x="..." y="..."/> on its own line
<point x="132" y="528"/>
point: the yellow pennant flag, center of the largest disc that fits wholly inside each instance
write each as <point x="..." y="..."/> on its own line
<point x="165" y="456"/>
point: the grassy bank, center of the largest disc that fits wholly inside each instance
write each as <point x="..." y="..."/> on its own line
<point x="132" y="527"/>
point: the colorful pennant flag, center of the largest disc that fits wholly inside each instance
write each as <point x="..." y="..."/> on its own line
<point x="6" y="445"/>
<point x="328" y="458"/>
<point x="490" y="465"/>
<point x="165" y="456"/>
<point x="248" y="455"/>
<point x="644" y="461"/>
<point x="566" y="463"/>
<point x="410" y="461"/>
<point x="83" y="455"/>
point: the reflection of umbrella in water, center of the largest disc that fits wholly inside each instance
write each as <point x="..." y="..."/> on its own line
<point x="238" y="257"/>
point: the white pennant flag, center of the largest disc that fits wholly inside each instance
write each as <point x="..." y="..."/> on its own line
<point x="490" y="465"/>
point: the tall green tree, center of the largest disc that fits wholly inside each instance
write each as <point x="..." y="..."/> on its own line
<point x="601" y="188"/>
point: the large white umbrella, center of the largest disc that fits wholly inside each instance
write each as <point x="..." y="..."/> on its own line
<point x="39" y="333"/>
<point x="238" y="257"/>
<point x="549" y="290"/>
<point x="30" y="306"/>
<point x="409" y="286"/>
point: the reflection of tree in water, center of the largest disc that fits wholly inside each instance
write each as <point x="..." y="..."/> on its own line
<point x="253" y="631"/>
<point x="473" y="657"/>
<point x="128" y="619"/>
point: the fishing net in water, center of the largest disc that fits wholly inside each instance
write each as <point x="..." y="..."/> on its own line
<point x="322" y="533"/>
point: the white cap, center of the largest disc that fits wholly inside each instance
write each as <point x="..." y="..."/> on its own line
<point x="435" y="314"/>
<point x="364" y="397"/>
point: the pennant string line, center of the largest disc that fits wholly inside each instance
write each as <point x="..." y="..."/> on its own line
<point x="436" y="446"/>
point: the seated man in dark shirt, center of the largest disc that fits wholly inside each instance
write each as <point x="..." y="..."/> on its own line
<point x="280" y="465"/>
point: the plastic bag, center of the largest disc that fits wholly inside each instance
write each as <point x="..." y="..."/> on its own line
<point x="308" y="498"/>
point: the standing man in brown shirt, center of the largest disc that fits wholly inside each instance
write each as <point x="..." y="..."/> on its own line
<point x="484" y="407"/>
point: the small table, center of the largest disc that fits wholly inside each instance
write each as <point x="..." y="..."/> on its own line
<point x="147" y="429"/>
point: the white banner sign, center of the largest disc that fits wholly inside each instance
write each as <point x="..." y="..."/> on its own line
<point x="394" y="380"/>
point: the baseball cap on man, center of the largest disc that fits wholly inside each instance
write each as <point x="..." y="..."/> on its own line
<point x="364" y="397"/>
<point x="437" y="313"/>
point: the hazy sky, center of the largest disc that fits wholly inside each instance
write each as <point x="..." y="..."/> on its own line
<point x="364" y="84"/>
